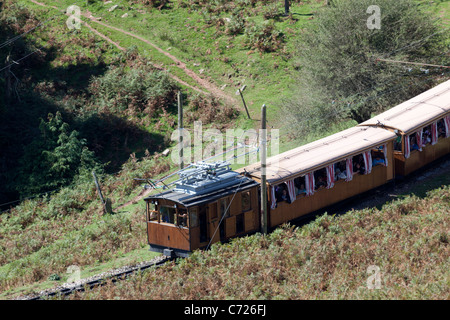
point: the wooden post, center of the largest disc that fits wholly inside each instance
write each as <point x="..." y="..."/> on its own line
<point x="286" y="7"/>
<point x="99" y="191"/>
<point x="180" y="127"/>
<point x="263" y="171"/>
<point x="242" y="96"/>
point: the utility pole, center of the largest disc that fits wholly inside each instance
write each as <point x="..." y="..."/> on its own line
<point x="286" y="7"/>
<point x="180" y="127"/>
<point x="263" y="171"/>
<point x="107" y="207"/>
<point x="240" y="90"/>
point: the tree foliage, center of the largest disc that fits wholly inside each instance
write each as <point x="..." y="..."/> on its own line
<point x="54" y="158"/>
<point x="339" y="75"/>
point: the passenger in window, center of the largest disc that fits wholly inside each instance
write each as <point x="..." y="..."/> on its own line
<point x="358" y="165"/>
<point x="377" y="160"/>
<point x="441" y="128"/>
<point x="340" y="171"/>
<point x="426" y="136"/>
<point x="182" y="218"/>
<point x="285" y="196"/>
<point x="279" y="192"/>
<point x="320" y="182"/>
<point x="301" y="189"/>
<point x="398" y="143"/>
<point x="165" y="215"/>
<point x="413" y="143"/>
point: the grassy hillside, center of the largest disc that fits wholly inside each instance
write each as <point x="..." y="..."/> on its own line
<point x="116" y="95"/>
<point x="334" y="257"/>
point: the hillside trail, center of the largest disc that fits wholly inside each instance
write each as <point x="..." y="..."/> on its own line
<point x="208" y="85"/>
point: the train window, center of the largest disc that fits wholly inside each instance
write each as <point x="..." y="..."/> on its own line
<point x="426" y="135"/>
<point x="246" y="201"/>
<point x="223" y="208"/>
<point x="358" y="164"/>
<point x="193" y="222"/>
<point x="281" y="193"/>
<point x="441" y="128"/>
<point x="182" y="218"/>
<point x="320" y="178"/>
<point x="340" y="170"/>
<point x="299" y="184"/>
<point x="398" y="143"/>
<point x="378" y="156"/>
<point x="167" y="214"/>
<point x="213" y="210"/>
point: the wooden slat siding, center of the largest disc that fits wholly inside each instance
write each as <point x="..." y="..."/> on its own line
<point x="168" y="235"/>
<point x="195" y="238"/>
<point x="324" y="197"/>
<point x="212" y="228"/>
<point x="230" y="227"/>
<point x="236" y="205"/>
<point x="418" y="159"/>
<point x="249" y="221"/>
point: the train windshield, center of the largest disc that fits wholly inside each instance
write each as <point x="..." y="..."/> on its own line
<point x="174" y="216"/>
<point x="167" y="214"/>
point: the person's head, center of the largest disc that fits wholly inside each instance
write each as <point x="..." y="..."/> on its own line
<point x="302" y="186"/>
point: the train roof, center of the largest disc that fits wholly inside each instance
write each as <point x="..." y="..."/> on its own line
<point x="417" y="112"/>
<point x="205" y="182"/>
<point x="320" y="153"/>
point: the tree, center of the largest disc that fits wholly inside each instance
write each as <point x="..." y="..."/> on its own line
<point x="54" y="158"/>
<point x="339" y="75"/>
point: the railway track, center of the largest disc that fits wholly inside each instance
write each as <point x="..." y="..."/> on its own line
<point x="96" y="281"/>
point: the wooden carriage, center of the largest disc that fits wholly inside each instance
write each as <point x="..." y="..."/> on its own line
<point x="187" y="217"/>
<point x="422" y="125"/>
<point x="291" y="168"/>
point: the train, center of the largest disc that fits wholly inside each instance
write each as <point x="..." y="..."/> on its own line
<point x="210" y="202"/>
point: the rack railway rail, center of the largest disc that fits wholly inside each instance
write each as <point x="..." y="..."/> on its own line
<point x="98" y="280"/>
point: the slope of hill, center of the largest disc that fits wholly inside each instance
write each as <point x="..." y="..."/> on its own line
<point x="398" y="252"/>
<point x="95" y="84"/>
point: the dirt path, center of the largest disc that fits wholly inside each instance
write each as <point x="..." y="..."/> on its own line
<point x="206" y="84"/>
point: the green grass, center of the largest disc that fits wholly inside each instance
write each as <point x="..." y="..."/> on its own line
<point x="44" y="236"/>
<point x="329" y="258"/>
<point x="230" y="61"/>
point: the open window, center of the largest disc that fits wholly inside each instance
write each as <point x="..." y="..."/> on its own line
<point x="340" y="170"/>
<point x="441" y="128"/>
<point x="300" y="186"/>
<point x="167" y="214"/>
<point x="379" y="156"/>
<point x="320" y="178"/>
<point x="246" y="201"/>
<point x="182" y="218"/>
<point x="152" y="213"/>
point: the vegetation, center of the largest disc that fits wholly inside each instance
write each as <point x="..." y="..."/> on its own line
<point x="339" y="74"/>
<point x="332" y="257"/>
<point x="80" y="104"/>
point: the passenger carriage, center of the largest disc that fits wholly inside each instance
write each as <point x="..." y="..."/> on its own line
<point x="325" y="172"/>
<point x="422" y="125"/>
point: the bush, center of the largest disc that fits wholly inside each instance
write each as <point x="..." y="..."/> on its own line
<point x="264" y="37"/>
<point x="137" y="89"/>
